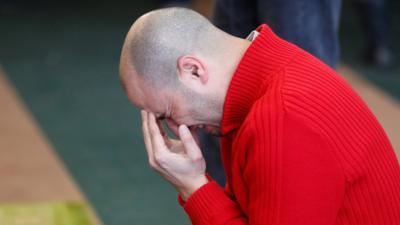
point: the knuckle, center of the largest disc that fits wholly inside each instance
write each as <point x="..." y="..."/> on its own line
<point x="159" y="157"/>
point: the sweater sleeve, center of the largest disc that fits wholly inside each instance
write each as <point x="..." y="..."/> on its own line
<point x="291" y="178"/>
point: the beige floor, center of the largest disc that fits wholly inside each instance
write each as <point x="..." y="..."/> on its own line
<point x="385" y="108"/>
<point x="30" y="171"/>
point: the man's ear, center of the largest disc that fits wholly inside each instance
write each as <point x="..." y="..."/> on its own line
<point x="191" y="70"/>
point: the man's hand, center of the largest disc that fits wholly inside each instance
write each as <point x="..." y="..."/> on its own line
<point x="179" y="161"/>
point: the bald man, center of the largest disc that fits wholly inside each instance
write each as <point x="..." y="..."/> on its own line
<point x="298" y="145"/>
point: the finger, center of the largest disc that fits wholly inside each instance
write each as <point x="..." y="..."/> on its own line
<point x="146" y="136"/>
<point x="190" y="144"/>
<point x="157" y="140"/>
<point x="173" y="126"/>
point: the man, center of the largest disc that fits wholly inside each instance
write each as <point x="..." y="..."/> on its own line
<point x="298" y="145"/>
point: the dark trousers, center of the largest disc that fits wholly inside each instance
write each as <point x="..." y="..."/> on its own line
<point x="374" y="19"/>
<point x="310" y="24"/>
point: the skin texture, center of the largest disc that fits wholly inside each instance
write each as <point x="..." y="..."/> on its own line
<point x="193" y="100"/>
<point x="175" y="160"/>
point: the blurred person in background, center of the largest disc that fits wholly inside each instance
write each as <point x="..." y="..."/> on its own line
<point x="310" y="24"/>
<point x="299" y="145"/>
<point x="374" y="20"/>
<point x="172" y="3"/>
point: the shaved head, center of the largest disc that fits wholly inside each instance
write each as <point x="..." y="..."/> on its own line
<point x="177" y="65"/>
<point x="159" y="38"/>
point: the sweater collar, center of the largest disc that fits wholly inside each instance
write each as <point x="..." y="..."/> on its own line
<point x="264" y="57"/>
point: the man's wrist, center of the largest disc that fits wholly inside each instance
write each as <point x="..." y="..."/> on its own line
<point x="188" y="191"/>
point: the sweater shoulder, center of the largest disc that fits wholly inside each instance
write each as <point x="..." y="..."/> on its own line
<point x="311" y="89"/>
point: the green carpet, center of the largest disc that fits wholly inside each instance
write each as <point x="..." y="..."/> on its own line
<point x="63" y="59"/>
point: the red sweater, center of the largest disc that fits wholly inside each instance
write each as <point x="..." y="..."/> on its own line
<point x="300" y="147"/>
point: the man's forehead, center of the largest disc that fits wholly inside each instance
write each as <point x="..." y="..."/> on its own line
<point x="133" y="90"/>
<point x="145" y="98"/>
<point x="141" y="92"/>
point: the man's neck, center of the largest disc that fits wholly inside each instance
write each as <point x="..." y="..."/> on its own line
<point x="239" y="47"/>
<point x="232" y="59"/>
<point x="229" y="62"/>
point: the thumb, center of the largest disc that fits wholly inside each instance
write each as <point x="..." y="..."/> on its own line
<point x="192" y="149"/>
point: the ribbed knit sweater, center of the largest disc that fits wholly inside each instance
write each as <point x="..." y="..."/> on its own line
<point x="299" y="147"/>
